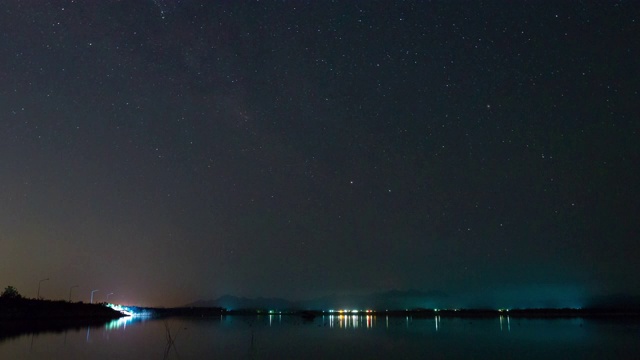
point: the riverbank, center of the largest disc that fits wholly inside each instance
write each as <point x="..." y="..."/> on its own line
<point x="32" y="309"/>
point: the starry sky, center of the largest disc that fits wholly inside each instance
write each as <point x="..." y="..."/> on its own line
<point x="170" y="151"/>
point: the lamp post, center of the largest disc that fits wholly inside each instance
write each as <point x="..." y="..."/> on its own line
<point x="71" y="288"/>
<point x="108" y="296"/>
<point x="40" y="282"/>
<point x="92" y="291"/>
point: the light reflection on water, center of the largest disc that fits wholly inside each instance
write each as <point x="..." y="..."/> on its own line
<point x="508" y="322"/>
<point x="336" y="336"/>
<point x="123" y="322"/>
<point x="371" y="321"/>
<point x="349" y="321"/>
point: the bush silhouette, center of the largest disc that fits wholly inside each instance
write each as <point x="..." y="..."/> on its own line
<point x="10" y="292"/>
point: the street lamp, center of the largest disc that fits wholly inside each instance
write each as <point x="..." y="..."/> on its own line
<point x="92" y="291"/>
<point x="71" y="288"/>
<point x="40" y="282"/>
<point x="108" y="296"/>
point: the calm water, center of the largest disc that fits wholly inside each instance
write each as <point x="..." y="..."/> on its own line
<point x="360" y="337"/>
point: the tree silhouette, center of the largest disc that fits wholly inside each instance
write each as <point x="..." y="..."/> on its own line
<point x="10" y="292"/>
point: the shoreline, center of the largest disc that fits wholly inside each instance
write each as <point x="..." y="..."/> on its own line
<point x="49" y="310"/>
<point x="33" y="309"/>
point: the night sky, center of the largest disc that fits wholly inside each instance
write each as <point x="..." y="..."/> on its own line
<point x="170" y="151"/>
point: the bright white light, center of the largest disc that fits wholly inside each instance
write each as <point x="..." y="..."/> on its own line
<point x="128" y="310"/>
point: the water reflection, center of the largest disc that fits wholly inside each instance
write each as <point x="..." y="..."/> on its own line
<point x="362" y="321"/>
<point x="367" y="321"/>
<point x="116" y="324"/>
<point x="273" y="318"/>
<point x="14" y="329"/>
<point x="123" y="322"/>
<point x="339" y="321"/>
<point x="508" y="321"/>
<point x="334" y="336"/>
<point x="350" y="321"/>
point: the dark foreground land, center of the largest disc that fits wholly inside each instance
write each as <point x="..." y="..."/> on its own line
<point x="31" y="309"/>
<point x="22" y="316"/>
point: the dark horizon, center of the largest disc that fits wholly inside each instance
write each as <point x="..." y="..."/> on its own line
<point x="390" y="302"/>
<point x="164" y="151"/>
<point x="395" y="299"/>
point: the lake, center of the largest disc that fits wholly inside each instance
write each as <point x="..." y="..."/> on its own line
<point x="335" y="337"/>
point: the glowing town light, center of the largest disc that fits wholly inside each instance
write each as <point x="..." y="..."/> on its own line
<point x="129" y="310"/>
<point x="122" y="309"/>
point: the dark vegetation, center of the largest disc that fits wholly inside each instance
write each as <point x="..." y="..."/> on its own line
<point x="15" y="307"/>
<point x="20" y="315"/>
<point x="23" y="309"/>
<point x="10" y="293"/>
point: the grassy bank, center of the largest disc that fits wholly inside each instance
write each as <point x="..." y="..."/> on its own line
<point x="32" y="309"/>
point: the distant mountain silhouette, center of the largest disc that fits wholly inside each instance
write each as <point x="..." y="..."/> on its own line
<point x="392" y="300"/>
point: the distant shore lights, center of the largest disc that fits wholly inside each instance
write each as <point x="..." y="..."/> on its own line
<point x="344" y="311"/>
